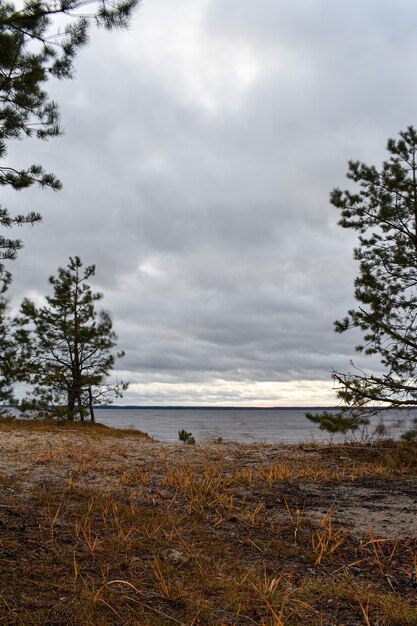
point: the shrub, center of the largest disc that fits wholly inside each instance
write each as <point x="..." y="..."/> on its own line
<point x="186" y="437"/>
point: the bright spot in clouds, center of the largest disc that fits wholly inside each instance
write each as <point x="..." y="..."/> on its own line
<point x="200" y="68"/>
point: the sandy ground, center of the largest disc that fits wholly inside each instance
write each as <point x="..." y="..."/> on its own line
<point x="386" y="505"/>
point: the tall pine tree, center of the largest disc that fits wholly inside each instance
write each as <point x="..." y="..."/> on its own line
<point x="33" y="49"/>
<point x="8" y="347"/>
<point x="383" y="210"/>
<point x="66" y="348"/>
<point x="39" y="40"/>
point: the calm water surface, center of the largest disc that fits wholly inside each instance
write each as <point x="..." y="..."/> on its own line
<point x="243" y="425"/>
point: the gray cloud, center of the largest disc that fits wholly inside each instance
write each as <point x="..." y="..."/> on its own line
<point x="199" y="153"/>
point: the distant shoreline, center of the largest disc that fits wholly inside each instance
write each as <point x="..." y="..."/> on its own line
<point x="216" y="408"/>
<point x="179" y="407"/>
<point x="195" y="407"/>
<point x="237" y="408"/>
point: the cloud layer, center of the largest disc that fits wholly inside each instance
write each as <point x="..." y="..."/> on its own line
<point x="200" y="149"/>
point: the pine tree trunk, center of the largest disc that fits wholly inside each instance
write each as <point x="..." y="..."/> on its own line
<point x="71" y="406"/>
<point x="90" y="404"/>
<point x="80" y="408"/>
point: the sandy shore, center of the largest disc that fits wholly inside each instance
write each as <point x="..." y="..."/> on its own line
<point x="100" y="527"/>
<point x="387" y="505"/>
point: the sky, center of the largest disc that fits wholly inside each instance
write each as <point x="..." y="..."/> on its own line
<point x="200" y="149"/>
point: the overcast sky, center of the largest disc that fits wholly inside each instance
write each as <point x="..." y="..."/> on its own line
<point x="200" y="148"/>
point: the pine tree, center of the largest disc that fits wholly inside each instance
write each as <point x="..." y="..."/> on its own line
<point x="32" y="50"/>
<point x="384" y="212"/>
<point x="7" y="344"/>
<point x="66" y="348"/>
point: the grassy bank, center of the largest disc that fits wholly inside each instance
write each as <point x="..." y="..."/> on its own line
<point x="108" y="527"/>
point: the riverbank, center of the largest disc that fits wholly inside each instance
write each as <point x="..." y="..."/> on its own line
<point x="102" y="527"/>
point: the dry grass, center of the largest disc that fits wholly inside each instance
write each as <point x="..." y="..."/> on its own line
<point x="50" y="426"/>
<point x="102" y="528"/>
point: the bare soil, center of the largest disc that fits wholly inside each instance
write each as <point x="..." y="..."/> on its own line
<point x="388" y="506"/>
<point x="105" y="529"/>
